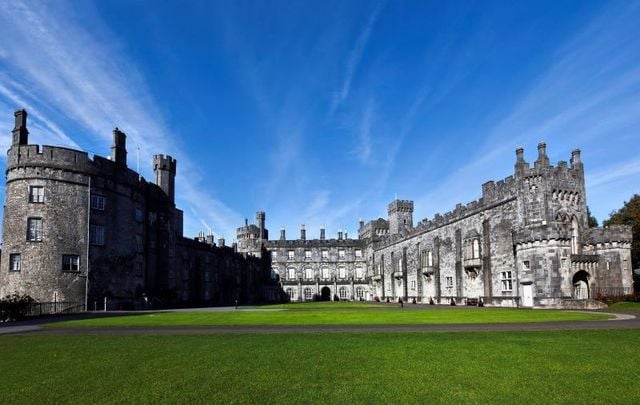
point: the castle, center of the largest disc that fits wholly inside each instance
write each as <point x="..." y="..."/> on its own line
<point x="524" y="243"/>
<point x="79" y="229"/>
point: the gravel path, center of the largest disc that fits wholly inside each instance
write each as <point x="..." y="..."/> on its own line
<point x="622" y="321"/>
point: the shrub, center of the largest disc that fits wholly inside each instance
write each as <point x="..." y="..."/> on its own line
<point x="15" y="307"/>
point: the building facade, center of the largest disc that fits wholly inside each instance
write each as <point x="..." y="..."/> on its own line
<point x="525" y="242"/>
<point x="68" y="216"/>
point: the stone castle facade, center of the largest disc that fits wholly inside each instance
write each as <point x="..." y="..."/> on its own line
<point x="68" y="217"/>
<point x="80" y="229"/>
<point x="525" y="242"/>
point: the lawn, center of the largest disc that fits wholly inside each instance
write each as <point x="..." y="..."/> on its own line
<point x="486" y="367"/>
<point x="625" y="306"/>
<point x="341" y="314"/>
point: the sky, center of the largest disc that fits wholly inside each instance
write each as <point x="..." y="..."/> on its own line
<point x="322" y="112"/>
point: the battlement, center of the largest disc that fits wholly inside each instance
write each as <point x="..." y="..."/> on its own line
<point x="605" y="235"/>
<point x="400" y="206"/>
<point x="162" y="162"/>
<point x="496" y="191"/>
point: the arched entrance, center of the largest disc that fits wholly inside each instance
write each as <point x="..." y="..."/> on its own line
<point x="325" y="294"/>
<point x="581" y="285"/>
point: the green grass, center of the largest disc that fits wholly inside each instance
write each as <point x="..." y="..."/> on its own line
<point x="310" y="314"/>
<point x="625" y="306"/>
<point x="477" y="367"/>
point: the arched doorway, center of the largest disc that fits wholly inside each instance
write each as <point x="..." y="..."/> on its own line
<point x="581" y="285"/>
<point x="325" y="294"/>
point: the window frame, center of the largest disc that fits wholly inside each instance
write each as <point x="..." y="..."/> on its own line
<point x="31" y="199"/>
<point x="12" y="256"/>
<point x="506" y="281"/>
<point x="95" y="199"/>
<point x="37" y="236"/>
<point x="68" y="265"/>
<point x="93" y="232"/>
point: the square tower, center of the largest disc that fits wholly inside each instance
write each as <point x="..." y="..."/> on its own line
<point x="400" y="214"/>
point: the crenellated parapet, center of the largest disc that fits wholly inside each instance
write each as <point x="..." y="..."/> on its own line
<point x="608" y="236"/>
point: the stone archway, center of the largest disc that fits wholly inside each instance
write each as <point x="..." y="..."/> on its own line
<point x="325" y="294"/>
<point x="581" y="285"/>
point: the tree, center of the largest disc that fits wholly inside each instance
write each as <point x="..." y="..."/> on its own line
<point x="593" y="222"/>
<point x="629" y="214"/>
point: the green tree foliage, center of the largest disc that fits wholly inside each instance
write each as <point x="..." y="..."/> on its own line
<point x="629" y="214"/>
<point x="593" y="222"/>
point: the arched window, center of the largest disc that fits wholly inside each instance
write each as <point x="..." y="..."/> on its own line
<point x="475" y="249"/>
<point x="342" y="293"/>
<point x="308" y="295"/>
<point x="400" y="269"/>
<point x="429" y="259"/>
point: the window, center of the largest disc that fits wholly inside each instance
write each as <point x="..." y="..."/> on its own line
<point x="36" y="194"/>
<point x="274" y="254"/>
<point x="429" y="259"/>
<point x="342" y="272"/>
<point x="96" y="235"/>
<point x="139" y="215"/>
<point x="290" y="293"/>
<point x="292" y="273"/>
<point x="475" y="249"/>
<point x="139" y="244"/>
<point x="342" y="293"/>
<point x="97" y="202"/>
<point x="325" y="273"/>
<point x="291" y="254"/>
<point x="325" y="254"/>
<point x="14" y="262"/>
<point x="360" y="293"/>
<point x="341" y="253"/>
<point x="308" y="294"/>
<point x="526" y="265"/>
<point x="507" y="281"/>
<point x="449" y="281"/>
<point x="307" y="254"/>
<point x="359" y="272"/>
<point x="399" y="265"/>
<point x="34" y="229"/>
<point x="358" y="253"/>
<point x="413" y="284"/>
<point x="308" y="274"/>
<point x="70" y="263"/>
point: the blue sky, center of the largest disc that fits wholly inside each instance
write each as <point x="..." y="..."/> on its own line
<point x="321" y="112"/>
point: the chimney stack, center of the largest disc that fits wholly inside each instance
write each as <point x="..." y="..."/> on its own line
<point x="282" y="234"/>
<point x="543" y="160"/>
<point x="339" y="235"/>
<point x="303" y="233"/>
<point x="119" y="148"/>
<point x="20" y="132"/>
<point x="576" y="162"/>
<point x="322" y="233"/>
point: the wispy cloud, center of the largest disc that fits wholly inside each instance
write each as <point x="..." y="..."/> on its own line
<point x="92" y="84"/>
<point x="589" y="91"/>
<point x="364" y="145"/>
<point x="613" y="173"/>
<point x="353" y="60"/>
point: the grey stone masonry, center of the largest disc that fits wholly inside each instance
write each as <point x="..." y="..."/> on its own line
<point x="68" y="217"/>
<point x="524" y="242"/>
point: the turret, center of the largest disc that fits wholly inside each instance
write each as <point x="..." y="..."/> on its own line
<point x="20" y="132"/>
<point x="543" y="159"/>
<point x="164" y="168"/>
<point x="260" y="221"/>
<point x="119" y="148"/>
<point x="576" y="162"/>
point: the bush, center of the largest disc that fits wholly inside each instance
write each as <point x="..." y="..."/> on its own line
<point x="15" y="307"/>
